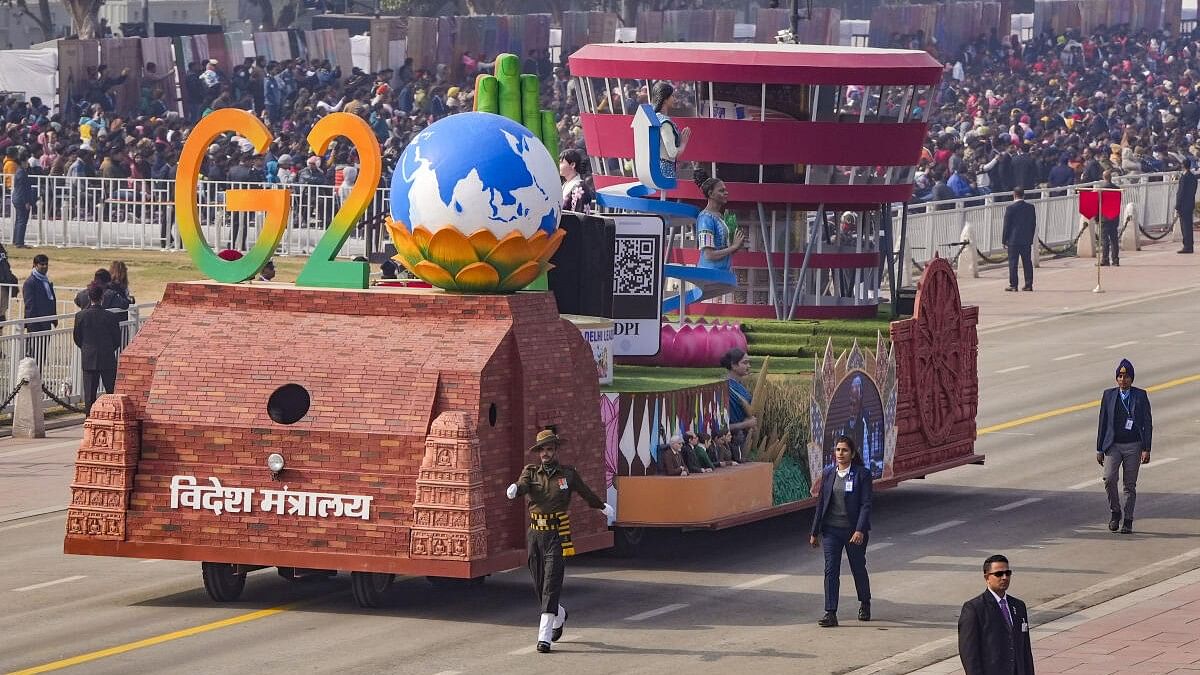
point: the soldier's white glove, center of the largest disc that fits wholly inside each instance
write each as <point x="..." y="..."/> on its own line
<point x="609" y="512"/>
<point x="511" y="491"/>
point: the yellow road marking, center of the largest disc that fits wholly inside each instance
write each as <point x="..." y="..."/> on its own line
<point x="159" y="639"/>
<point x="1080" y="406"/>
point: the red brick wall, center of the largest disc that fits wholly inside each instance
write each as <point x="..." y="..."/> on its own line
<point x="380" y="366"/>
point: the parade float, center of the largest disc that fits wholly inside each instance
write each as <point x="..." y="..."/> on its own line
<point x="331" y="426"/>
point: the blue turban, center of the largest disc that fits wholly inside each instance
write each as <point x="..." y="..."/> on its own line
<point x="1126" y="366"/>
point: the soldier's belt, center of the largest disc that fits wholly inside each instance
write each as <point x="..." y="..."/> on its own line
<point x="543" y="523"/>
<point x="559" y="521"/>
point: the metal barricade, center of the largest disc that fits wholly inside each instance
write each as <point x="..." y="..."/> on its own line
<point x="55" y="351"/>
<point x="140" y="214"/>
<point x="937" y="226"/>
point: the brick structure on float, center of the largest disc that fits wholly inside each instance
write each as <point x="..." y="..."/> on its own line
<point x="104" y="470"/>
<point x="395" y="377"/>
<point x="449" y="518"/>
<point x="937" y="376"/>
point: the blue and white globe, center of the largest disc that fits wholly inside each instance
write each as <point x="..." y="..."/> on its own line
<point x="477" y="170"/>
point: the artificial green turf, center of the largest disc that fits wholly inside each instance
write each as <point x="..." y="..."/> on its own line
<point x="655" y="378"/>
<point x="634" y="379"/>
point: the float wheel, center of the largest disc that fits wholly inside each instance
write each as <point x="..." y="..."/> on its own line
<point x="222" y="581"/>
<point x="370" y="587"/>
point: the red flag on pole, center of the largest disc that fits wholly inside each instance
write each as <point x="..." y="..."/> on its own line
<point x="1110" y="204"/>
<point x="1089" y="204"/>
<point x="1101" y="202"/>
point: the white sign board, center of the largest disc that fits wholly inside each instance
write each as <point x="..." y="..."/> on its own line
<point x="637" y="284"/>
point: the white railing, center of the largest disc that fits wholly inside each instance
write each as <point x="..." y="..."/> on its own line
<point x="55" y="351"/>
<point x="937" y="226"/>
<point x="140" y="214"/>
<point x="14" y="303"/>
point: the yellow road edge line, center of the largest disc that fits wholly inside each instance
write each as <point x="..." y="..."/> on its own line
<point x="158" y="639"/>
<point x="1079" y="406"/>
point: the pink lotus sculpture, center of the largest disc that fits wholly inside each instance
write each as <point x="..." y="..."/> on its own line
<point x="694" y="345"/>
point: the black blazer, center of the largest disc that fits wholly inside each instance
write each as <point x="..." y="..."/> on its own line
<point x="1020" y="224"/>
<point x="37" y="303"/>
<point x="1186" y="197"/>
<point x="986" y="643"/>
<point x="98" y="335"/>
<point x="858" y="500"/>
<point x="1110" y="407"/>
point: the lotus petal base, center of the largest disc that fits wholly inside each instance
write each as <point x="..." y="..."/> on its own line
<point x="475" y="263"/>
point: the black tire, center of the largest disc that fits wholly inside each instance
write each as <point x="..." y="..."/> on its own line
<point x="628" y="541"/>
<point x="222" y="582"/>
<point x="370" y="587"/>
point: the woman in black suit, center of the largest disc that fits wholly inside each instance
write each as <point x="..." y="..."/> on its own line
<point x="843" y="521"/>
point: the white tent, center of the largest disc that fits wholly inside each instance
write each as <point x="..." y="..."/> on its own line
<point x="360" y="52"/>
<point x="32" y="72"/>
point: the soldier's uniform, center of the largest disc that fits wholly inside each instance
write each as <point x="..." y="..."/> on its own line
<point x="549" y="488"/>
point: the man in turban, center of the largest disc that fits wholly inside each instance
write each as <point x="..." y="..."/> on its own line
<point x="1123" y="443"/>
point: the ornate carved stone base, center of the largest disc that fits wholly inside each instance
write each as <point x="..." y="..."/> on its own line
<point x="449" y="521"/>
<point x="104" y="470"/>
<point x="937" y="373"/>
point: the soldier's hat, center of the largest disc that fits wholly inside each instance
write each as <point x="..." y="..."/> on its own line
<point x="546" y="437"/>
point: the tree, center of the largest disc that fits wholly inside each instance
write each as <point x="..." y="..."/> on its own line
<point x="289" y="12"/>
<point x="85" y="17"/>
<point x="42" y="18"/>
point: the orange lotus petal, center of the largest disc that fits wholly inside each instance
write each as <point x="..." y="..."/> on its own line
<point x="435" y="275"/>
<point x="422" y="237"/>
<point x="406" y="247"/>
<point x="512" y="252"/>
<point x="477" y="278"/>
<point x="538" y="239"/>
<point x="483" y="241"/>
<point x="551" y="246"/>
<point x="450" y="250"/>
<point x="410" y="266"/>
<point x="521" y="277"/>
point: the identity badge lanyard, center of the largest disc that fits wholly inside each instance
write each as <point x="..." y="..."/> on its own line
<point x="1128" y="406"/>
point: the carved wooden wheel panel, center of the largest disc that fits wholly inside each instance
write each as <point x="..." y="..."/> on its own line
<point x="938" y="350"/>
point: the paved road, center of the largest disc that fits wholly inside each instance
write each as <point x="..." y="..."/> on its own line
<point x="733" y="601"/>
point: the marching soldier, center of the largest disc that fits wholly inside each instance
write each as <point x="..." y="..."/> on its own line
<point x="549" y="486"/>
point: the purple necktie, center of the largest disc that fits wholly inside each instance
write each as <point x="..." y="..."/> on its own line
<point x="1004" y="610"/>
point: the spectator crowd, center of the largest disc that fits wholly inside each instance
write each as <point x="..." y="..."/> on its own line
<point x="1060" y="110"/>
<point x="89" y="136"/>
<point x="1054" y="111"/>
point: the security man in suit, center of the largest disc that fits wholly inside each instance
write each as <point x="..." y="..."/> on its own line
<point x="1185" y="204"/>
<point x="1110" y="239"/>
<point x="1020" y="230"/>
<point x="549" y="486"/>
<point x="97" y="333"/>
<point x="843" y="521"/>
<point x="993" y="628"/>
<point x="1123" y="443"/>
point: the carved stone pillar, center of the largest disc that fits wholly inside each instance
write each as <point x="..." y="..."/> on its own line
<point x="449" y="522"/>
<point x="104" y="470"/>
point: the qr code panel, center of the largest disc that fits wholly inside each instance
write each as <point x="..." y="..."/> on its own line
<point x="634" y="268"/>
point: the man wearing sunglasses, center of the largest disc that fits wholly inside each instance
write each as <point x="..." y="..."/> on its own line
<point x="993" y="628"/>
